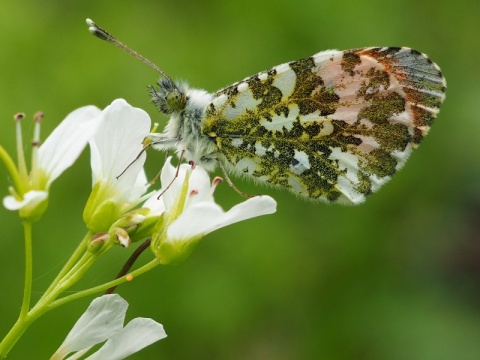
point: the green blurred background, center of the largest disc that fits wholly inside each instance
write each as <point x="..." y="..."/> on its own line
<point x="395" y="278"/>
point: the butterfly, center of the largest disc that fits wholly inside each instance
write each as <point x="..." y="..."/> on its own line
<point x="335" y="126"/>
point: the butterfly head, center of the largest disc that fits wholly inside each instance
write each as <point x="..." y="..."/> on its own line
<point x="168" y="98"/>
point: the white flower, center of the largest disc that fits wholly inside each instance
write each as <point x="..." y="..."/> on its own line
<point x="189" y="211"/>
<point x="49" y="160"/>
<point x="103" y="320"/>
<point x="118" y="180"/>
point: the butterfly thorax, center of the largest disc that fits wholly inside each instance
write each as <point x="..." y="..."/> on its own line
<point x="186" y="107"/>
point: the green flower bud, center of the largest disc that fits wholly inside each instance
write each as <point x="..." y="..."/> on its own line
<point x="100" y="212"/>
<point x="97" y="241"/>
<point x="145" y="230"/>
<point x="121" y="237"/>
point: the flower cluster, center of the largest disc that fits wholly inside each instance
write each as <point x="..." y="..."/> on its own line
<point x="120" y="210"/>
<point x="189" y="212"/>
<point x="29" y="194"/>
<point x="176" y="216"/>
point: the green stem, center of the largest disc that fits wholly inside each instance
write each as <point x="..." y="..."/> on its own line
<point x="22" y="322"/>
<point x="131" y="260"/>
<point x="27" y="289"/>
<point x="104" y="286"/>
<point x="73" y="271"/>
<point x="66" y="282"/>
<point x="13" y="335"/>
<point x="68" y="265"/>
<point x="26" y="317"/>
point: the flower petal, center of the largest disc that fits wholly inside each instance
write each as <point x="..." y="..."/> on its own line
<point x="117" y="143"/>
<point x="139" y="333"/>
<point x="199" y="187"/>
<point x="103" y="318"/>
<point x="140" y="186"/>
<point x="204" y="217"/>
<point x="175" y="185"/>
<point x="195" y="221"/>
<point x="66" y="142"/>
<point x="30" y="199"/>
<point x="156" y="205"/>
<point x="250" y="208"/>
<point x="198" y="184"/>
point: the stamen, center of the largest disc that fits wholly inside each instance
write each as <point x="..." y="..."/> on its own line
<point x="38" y="116"/>
<point x="193" y="192"/>
<point x="216" y="180"/>
<point x="36" y="134"/>
<point x="36" y="143"/>
<point x="22" y="165"/>
<point x="19" y="116"/>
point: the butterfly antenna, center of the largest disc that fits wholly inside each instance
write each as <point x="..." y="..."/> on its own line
<point x="104" y="35"/>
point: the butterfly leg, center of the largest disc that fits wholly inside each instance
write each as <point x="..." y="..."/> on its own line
<point x="176" y="174"/>
<point x="134" y="160"/>
<point x="231" y="184"/>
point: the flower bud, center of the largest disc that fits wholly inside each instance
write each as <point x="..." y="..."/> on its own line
<point x="145" y="230"/>
<point x="132" y="220"/>
<point x="97" y="241"/>
<point x="100" y="212"/>
<point x="121" y="237"/>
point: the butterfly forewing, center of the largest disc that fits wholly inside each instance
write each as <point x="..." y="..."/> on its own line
<point x="333" y="127"/>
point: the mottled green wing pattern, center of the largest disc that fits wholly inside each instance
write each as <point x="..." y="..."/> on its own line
<point x="334" y="127"/>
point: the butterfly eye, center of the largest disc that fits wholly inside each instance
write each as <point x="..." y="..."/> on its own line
<point x="175" y="100"/>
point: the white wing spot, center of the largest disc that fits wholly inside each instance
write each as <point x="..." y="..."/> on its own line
<point x="237" y="142"/>
<point x="285" y="82"/>
<point x="244" y="101"/>
<point x="281" y="68"/>
<point x="302" y="163"/>
<point x="262" y="76"/>
<point x="279" y="122"/>
<point x="325" y="57"/>
<point x="219" y="100"/>
<point x="346" y="162"/>
<point x="242" y="87"/>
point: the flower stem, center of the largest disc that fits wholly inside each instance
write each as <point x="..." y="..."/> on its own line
<point x="27" y="289"/>
<point x="73" y="271"/>
<point x="71" y="274"/>
<point x="105" y="286"/>
<point x="22" y="322"/>
<point x="70" y="278"/>
<point x="13" y="335"/>
<point x="131" y="260"/>
<point x="68" y="265"/>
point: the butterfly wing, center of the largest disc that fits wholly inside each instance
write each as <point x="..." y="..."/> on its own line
<point x="334" y="127"/>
